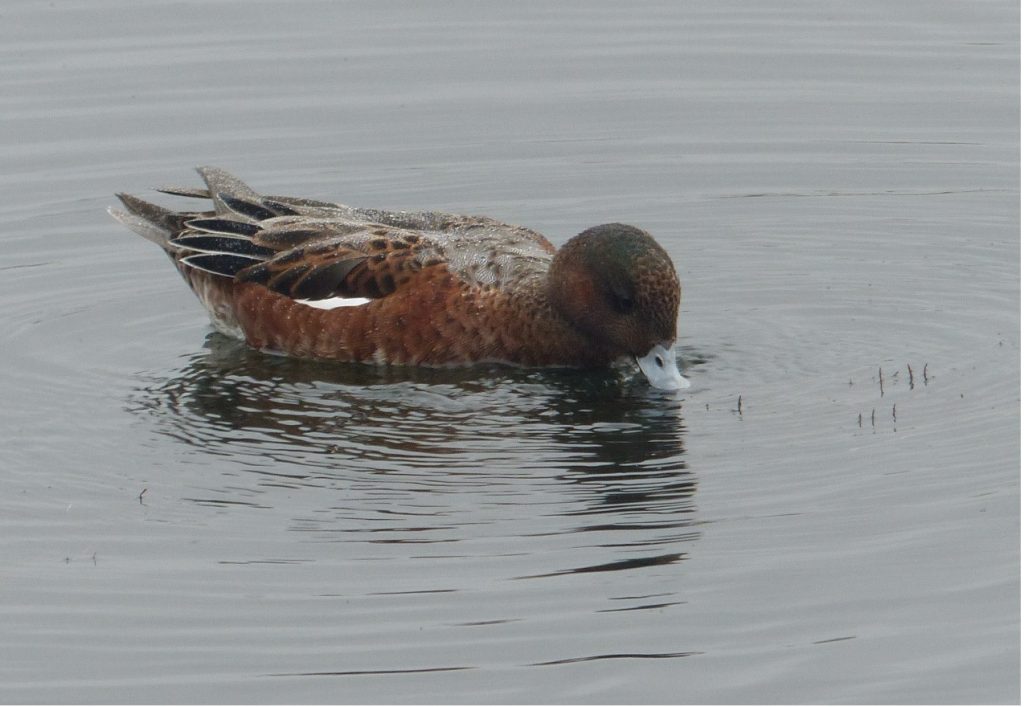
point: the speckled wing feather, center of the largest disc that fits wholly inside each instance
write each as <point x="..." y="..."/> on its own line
<point x="311" y="250"/>
<point x="369" y="263"/>
<point x="305" y="249"/>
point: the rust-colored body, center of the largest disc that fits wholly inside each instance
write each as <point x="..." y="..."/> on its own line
<point x="438" y="322"/>
<point x="317" y="280"/>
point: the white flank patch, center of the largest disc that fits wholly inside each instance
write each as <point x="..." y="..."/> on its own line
<point x="334" y="302"/>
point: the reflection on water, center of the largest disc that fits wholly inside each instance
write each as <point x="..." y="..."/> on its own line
<point x="421" y="455"/>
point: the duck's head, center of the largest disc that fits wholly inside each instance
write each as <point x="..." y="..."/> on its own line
<point x="616" y="284"/>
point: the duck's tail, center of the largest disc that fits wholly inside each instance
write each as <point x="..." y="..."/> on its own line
<point x="152" y="222"/>
<point x="160" y="225"/>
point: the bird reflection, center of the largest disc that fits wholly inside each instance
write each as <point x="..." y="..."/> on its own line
<point x="614" y="447"/>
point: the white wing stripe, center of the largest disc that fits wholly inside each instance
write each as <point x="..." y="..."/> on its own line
<point x="334" y="302"/>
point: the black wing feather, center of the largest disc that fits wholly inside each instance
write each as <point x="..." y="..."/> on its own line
<point x="225" y="264"/>
<point x="224" y="225"/>
<point x="210" y="243"/>
<point x="249" y="209"/>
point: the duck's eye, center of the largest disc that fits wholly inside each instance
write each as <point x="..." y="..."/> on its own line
<point x="622" y="302"/>
<point x="659" y="361"/>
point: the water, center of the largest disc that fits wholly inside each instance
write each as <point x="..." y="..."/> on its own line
<point x="183" y="520"/>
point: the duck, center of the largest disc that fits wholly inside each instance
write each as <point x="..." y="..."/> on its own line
<point x="320" y="280"/>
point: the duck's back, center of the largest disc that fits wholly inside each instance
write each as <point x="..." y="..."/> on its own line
<point x="480" y="250"/>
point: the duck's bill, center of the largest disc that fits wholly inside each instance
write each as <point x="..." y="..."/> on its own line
<point x="659" y="365"/>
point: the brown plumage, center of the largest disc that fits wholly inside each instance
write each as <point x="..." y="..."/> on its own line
<point x="318" y="280"/>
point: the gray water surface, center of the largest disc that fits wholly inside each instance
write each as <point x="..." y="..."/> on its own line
<point x="184" y="520"/>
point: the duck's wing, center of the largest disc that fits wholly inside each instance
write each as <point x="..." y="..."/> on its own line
<point x="315" y="250"/>
<point x="365" y="263"/>
<point x="307" y="259"/>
